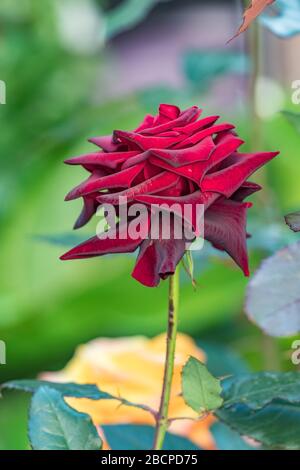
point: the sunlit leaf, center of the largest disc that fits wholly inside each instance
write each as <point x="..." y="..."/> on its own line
<point x="201" y="391"/>
<point x="69" y="390"/>
<point x="54" y="425"/>
<point x="273" y="297"/>
<point x="256" y="7"/>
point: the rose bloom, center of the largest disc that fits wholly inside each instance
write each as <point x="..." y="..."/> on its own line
<point x="133" y="368"/>
<point x="171" y="158"/>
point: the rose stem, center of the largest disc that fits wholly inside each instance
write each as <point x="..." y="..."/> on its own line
<point x="162" y="419"/>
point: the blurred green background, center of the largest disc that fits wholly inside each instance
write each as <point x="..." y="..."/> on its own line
<point x="78" y="68"/>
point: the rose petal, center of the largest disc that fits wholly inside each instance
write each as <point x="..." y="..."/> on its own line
<point x="245" y="190"/>
<point x="225" y="228"/>
<point x="96" y="182"/>
<point x="89" y="209"/>
<point x="107" y="159"/>
<point x="159" y="182"/>
<point x="147" y="122"/>
<point x="121" y="243"/>
<point x="198" y="125"/>
<point x="158" y="260"/>
<point x="105" y="142"/>
<point x="177" y="205"/>
<point x="146" y="142"/>
<point x="180" y="120"/>
<point x="228" y="180"/>
<point x="195" y="138"/>
<point x="196" y="171"/>
<point x="179" y="157"/>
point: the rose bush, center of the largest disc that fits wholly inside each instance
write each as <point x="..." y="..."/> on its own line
<point x="118" y="367"/>
<point x="172" y="158"/>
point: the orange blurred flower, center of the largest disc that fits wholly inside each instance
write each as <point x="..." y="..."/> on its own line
<point x="132" y="368"/>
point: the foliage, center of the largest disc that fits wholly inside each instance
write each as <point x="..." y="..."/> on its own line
<point x="273" y="293"/>
<point x="201" y="391"/>
<point x="249" y="404"/>
<point x="54" y="425"/>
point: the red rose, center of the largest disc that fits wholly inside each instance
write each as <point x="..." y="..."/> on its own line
<point x="170" y="158"/>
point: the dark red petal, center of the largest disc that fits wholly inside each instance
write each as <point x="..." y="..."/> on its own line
<point x="145" y="270"/>
<point x="89" y="209"/>
<point x="146" y="123"/>
<point x="150" y="171"/>
<point x="159" y="182"/>
<point x="179" y="157"/>
<point x="169" y="111"/>
<point x="105" y="142"/>
<point x="157" y="260"/>
<point x="245" y="190"/>
<point x="179" y="189"/>
<point x="196" y="171"/>
<point x="177" y="205"/>
<point x="141" y="157"/>
<point x="198" y="125"/>
<point x="107" y="159"/>
<point x="102" y="246"/>
<point x="122" y="179"/>
<point x="225" y="228"/>
<point x="228" y="180"/>
<point x="166" y="113"/>
<point x="146" y="142"/>
<point x="195" y="138"/>
<point x="180" y="120"/>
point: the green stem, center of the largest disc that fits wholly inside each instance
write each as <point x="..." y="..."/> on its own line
<point x="162" y="419"/>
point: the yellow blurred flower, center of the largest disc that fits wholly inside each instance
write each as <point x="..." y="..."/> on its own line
<point x="132" y="368"/>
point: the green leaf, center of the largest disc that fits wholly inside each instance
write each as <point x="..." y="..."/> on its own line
<point x="66" y="389"/>
<point x="273" y="297"/>
<point x="227" y="439"/>
<point x="131" y="437"/>
<point x="293" y="221"/>
<point x="54" y="425"/>
<point x="69" y="390"/>
<point x="188" y="265"/>
<point x="258" y="390"/>
<point x="276" y="426"/>
<point x="264" y="406"/>
<point x="201" y="391"/>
